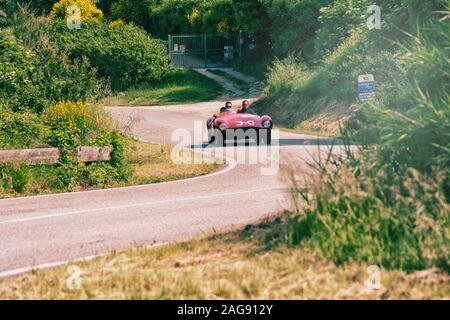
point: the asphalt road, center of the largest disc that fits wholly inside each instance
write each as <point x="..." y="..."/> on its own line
<point x="42" y="231"/>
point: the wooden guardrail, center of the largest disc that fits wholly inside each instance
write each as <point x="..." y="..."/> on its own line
<point x="51" y="155"/>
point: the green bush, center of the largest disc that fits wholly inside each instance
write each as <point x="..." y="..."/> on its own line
<point x="133" y="11"/>
<point x="213" y="17"/>
<point x="171" y="17"/>
<point x="126" y="56"/>
<point x="74" y="124"/>
<point x="294" y="26"/>
<point x="37" y="78"/>
<point x="21" y="130"/>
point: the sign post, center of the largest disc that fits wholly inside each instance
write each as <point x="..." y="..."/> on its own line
<point x="366" y="87"/>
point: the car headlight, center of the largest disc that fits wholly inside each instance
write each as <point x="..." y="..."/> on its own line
<point x="223" y="126"/>
<point x="267" y="124"/>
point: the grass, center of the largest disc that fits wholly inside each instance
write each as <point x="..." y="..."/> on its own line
<point x="180" y="86"/>
<point x="150" y="163"/>
<point x="236" y="265"/>
<point x="242" y="85"/>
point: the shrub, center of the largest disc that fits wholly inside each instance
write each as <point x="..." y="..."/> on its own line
<point x="294" y="26"/>
<point x="133" y="11"/>
<point x="35" y="79"/>
<point x="15" y="69"/>
<point x="74" y="124"/>
<point x="125" y="55"/>
<point x="213" y="17"/>
<point x="21" y="130"/>
<point x="88" y="10"/>
<point x="171" y="17"/>
<point x="119" y="23"/>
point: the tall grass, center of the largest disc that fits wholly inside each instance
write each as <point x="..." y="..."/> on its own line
<point x="361" y="214"/>
<point x="389" y="204"/>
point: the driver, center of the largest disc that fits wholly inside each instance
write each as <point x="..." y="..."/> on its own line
<point x="245" y="105"/>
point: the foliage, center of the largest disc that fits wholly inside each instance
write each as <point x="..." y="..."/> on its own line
<point x="15" y="177"/>
<point x="213" y="17"/>
<point x="72" y="123"/>
<point x="21" y="130"/>
<point x="75" y="124"/>
<point x="389" y="204"/>
<point x="119" y="23"/>
<point x="253" y="19"/>
<point x="88" y="10"/>
<point x="35" y="79"/>
<point x="132" y="11"/>
<point x="171" y="17"/>
<point x="361" y="214"/>
<point x="125" y="55"/>
<point x="178" y="86"/>
<point x="294" y="26"/>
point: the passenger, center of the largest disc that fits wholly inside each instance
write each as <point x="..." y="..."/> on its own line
<point x="228" y="109"/>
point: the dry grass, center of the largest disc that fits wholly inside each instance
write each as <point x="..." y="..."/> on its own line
<point x="231" y="266"/>
<point x="152" y="163"/>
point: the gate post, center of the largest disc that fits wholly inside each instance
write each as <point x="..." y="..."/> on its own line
<point x="241" y="41"/>
<point x="169" y="48"/>
<point x="205" y="49"/>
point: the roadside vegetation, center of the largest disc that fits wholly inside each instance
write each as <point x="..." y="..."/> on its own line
<point x="237" y="265"/>
<point x="52" y="80"/>
<point x="179" y="86"/>
<point x="389" y="204"/>
<point x="147" y="163"/>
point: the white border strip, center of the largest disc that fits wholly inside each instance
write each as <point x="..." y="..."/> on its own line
<point x="19" y="271"/>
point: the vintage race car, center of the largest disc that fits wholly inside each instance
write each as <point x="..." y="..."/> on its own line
<point x="237" y="126"/>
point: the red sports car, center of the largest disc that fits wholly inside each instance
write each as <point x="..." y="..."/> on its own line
<point x="239" y="126"/>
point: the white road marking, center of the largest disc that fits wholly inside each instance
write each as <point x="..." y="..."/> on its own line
<point x="143" y="204"/>
<point x="18" y="271"/>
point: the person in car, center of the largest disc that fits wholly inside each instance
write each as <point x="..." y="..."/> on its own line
<point x="228" y="109"/>
<point x="245" y="106"/>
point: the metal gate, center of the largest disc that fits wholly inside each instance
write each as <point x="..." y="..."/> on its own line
<point x="205" y="51"/>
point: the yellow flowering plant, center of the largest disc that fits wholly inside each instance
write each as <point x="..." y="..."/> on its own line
<point x="88" y="10"/>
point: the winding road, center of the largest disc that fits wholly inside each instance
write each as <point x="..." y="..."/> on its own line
<point x="42" y="231"/>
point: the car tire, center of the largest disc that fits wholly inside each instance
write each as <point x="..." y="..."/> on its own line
<point x="211" y="135"/>
<point x="217" y="133"/>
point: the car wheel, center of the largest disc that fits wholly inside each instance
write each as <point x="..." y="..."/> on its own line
<point x="220" y="138"/>
<point x="211" y="135"/>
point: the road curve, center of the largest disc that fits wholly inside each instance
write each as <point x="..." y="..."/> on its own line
<point x="47" y="230"/>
